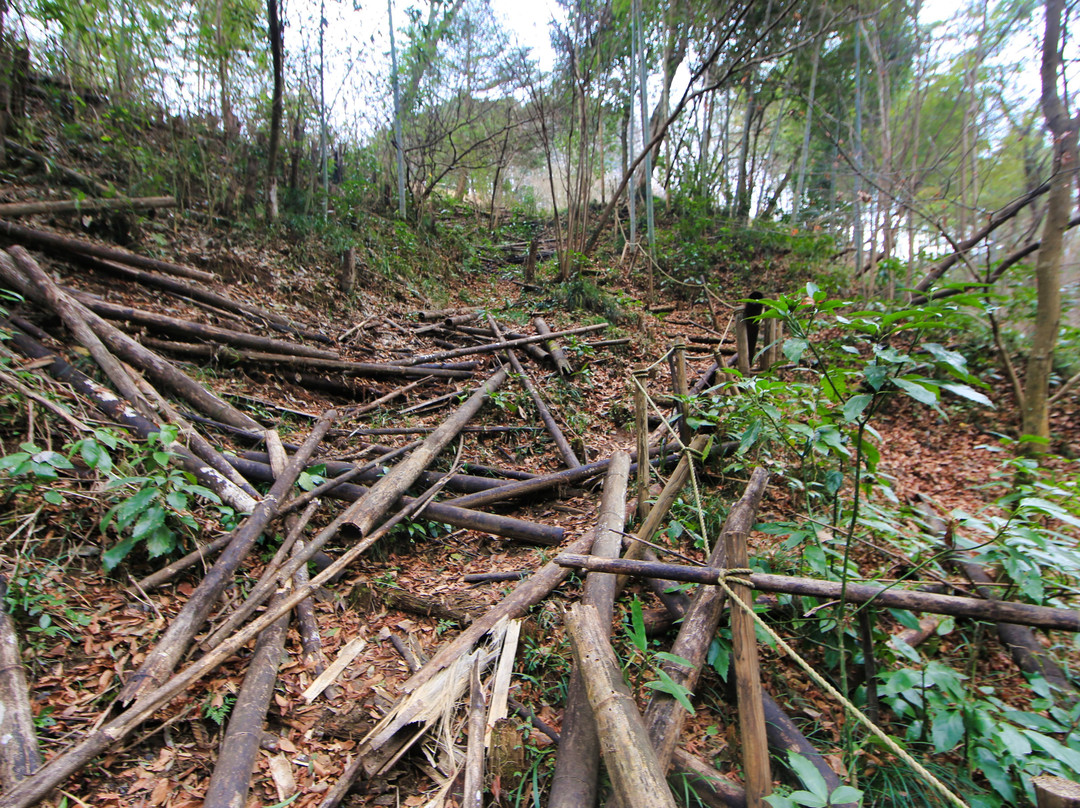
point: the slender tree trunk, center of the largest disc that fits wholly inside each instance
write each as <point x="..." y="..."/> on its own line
<point x="1035" y="416"/>
<point x="277" y="107"/>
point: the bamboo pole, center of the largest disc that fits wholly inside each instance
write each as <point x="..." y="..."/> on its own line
<point x="574" y="783"/>
<point x="641" y="432"/>
<point x="1024" y="614"/>
<point x="631" y="763"/>
<point x="19" y="754"/>
<point x="161" y="661"/>
<point x="755" y="747"/>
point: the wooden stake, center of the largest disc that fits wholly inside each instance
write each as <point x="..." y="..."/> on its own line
<point x="742" y="343"/>
<point x="681" y="389"/>
<point x="1056" y="792"/>
<point x="755" y="746"/>
<point x="641" y="431"/>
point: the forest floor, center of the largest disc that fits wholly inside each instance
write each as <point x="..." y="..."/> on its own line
<point x="84" y="631"/>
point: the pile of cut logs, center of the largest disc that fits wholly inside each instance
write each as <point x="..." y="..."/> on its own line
<point x="600" y="718"/>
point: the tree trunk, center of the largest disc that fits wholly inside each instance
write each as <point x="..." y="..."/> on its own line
<point x="277" y="106"/>
<point x="1035" y="414"/>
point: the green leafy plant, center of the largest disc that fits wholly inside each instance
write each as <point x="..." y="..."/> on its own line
<point x="815" y="791"/>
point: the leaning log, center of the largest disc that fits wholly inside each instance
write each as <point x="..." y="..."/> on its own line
<point x="19" y="754"/>
<point x="635" y="773"/>
<point x="1024" y="614"/>
<point x="161" y="661"/>
<point x="231" y="780"/>
<point x="574" y="783"/>
<point x="85" y="205"/>
<point x="119" y="411"/>
<point x="161" y="323"/>
<point x="63" y="245"/>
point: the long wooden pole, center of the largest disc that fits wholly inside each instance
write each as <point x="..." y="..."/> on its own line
<point x="496" y="346"/>
<point x="1023" y="614"/>
<point x="80" y="205"/>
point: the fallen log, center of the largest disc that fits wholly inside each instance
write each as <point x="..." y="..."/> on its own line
<point x="558" y="357"/>
<point x="160" y="662"/>
<point x="993" y="610"/>
<point x="631" y="764"/>
<point x="260" y="358"/>
<point x="63" y="245"/>
<point x="19" y="754"/>
<point x="231" y="780"/>
<point x="131" y="351"/>
<point x="84" y="205"/>
<point x="541" y="406"/>
<point x="119" y="411"/>
<point x="533" y="349"/>
<point x="574" y="782"/>
<point x="496" y="346"/>
<point x="162" y="323"/>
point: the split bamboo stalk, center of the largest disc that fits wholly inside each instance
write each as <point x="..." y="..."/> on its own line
<point x="664" y="716"/>
<point x="161" y="323"/>
<point x="161" y="661"/>
<point x="63" y="245"/>
<point x="574" y="783"/>
<point x="755" y="745"/>
<point x="128" y="349"/>
<point x="1024" y="614"/>
<point x="86" y="205"/>
<point x="231" y="780"/>
<point x="496" y="346"/>
<point x="541" y="406"/>
<point x="558" y="357"/>
<point x="635" y="773"/>
<point x="473" y="791"/>
<point x="19" y="754"/>
<point x="106" y="401"/>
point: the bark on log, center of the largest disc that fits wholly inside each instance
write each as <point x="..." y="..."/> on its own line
<point x="445" y="512"/>
<point x="80" y="206"/>
<point x="712" y="788"/>
<point x="122" y="413"/>
<point x="63" y="245"/>
<point x="541" y="407"/>
<point x="574" y="783"/>
<point x="185" y="328"/>
<point x="635" y="773"/>
<point x="134" y="353"/>
<point x="664" y="716"/>
<point x="558" y="356"/>
<point x="19" y="754"/>
<point x="161" y="661"/>
<point x="473" y="795"/>
<point x="231" y="779"/>
<point x="496" y="346"/>
<point x="994" y="610"/>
